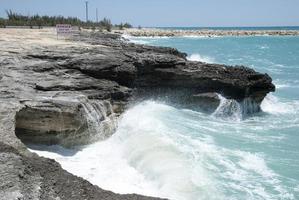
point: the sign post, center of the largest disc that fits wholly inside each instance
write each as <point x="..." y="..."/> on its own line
<point x="63" y="29"/>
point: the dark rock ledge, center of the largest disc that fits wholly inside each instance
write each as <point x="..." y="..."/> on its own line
<point x="47" y="93"/>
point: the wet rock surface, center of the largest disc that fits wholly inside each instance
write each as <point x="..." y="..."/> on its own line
<point x="52" y="93"/>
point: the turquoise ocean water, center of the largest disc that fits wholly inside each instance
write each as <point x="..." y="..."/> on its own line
<point x="163" y="151"/>
<point x="234" y="28"/>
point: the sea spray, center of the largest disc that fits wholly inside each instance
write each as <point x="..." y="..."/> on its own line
<point x="277" y="106"/>
<point x="200" y="58"/>
<point x="101" y="121"/>
<point x="98" y="121"/>
<point x="234" y="110"/>
<point x="162" y="151"/>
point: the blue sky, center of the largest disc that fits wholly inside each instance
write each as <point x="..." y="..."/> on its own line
<point x="169" y="12"/>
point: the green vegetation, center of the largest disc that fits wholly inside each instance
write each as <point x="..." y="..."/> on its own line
<point x="105" y="23"/>
<point x="15" y="19"/>
<point x="2" y="23"/>
<point x="122" y="26"/>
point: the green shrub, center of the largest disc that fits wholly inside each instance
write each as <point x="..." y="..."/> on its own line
<point x="15" y="19"/>
<point x="127" y="25"/>
<point x="106" y="24"/>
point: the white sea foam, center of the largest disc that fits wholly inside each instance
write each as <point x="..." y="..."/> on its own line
<point x="140" y="41"/>
<point x="102" y="164"/>
<point x="143" y="40"/>
<point x="153" y="153"/>
<point x="137" y="40"/>
<point x="126" y="36"/>
<point x="274" y="105"/>
<point x="233" y="110"/>
<point x="142" y="157"/>
<point x="228" y="109"/>
<point x="281" y="86"/>
<point x="255" y="163"/>
<point x="201" y="58"/>
<point x="155" y="150"/>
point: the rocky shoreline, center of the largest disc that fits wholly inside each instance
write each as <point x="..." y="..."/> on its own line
<point x="155" y="32"/>
<point x="72" y="92"/>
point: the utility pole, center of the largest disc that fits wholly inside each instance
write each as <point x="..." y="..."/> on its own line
<point x="97" y="16"/>
<point x="86" y="5"/>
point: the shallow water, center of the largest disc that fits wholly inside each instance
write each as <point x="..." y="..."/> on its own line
<point x="163" y="151"/>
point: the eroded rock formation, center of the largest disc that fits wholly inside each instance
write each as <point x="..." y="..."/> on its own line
<point x="51" y="94"/>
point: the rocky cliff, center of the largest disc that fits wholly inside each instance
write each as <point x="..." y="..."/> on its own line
<point x="72" y="94"/>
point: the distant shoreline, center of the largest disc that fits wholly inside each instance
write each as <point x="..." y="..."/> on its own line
<point x="228" y="28"/>
<point x="164" y="32"/>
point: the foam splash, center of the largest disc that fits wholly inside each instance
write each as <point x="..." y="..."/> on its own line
<point x="157" y="152"/>
<point x="235" y="111"/>
<point x="100" y="119"/>
<point x="255" y="163"/>
<point x="161" y="151"/>
<point x="276" y="106"/>
<point x="143" y="40"/>
<point x="141" y="157"/>
<point x="135" y="40"/>
<point x="200" y="58"/>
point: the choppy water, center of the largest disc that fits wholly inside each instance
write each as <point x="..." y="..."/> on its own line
<point x="163" y="151"/>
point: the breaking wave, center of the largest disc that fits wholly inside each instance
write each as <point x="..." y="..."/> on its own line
<point x="162" y="151"/>
<point x="274" y="105"/>
<point x="234" y="110"/>
<point x="200" y="58"/>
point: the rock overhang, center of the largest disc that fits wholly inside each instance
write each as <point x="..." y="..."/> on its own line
<point x="124" y="71"/>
